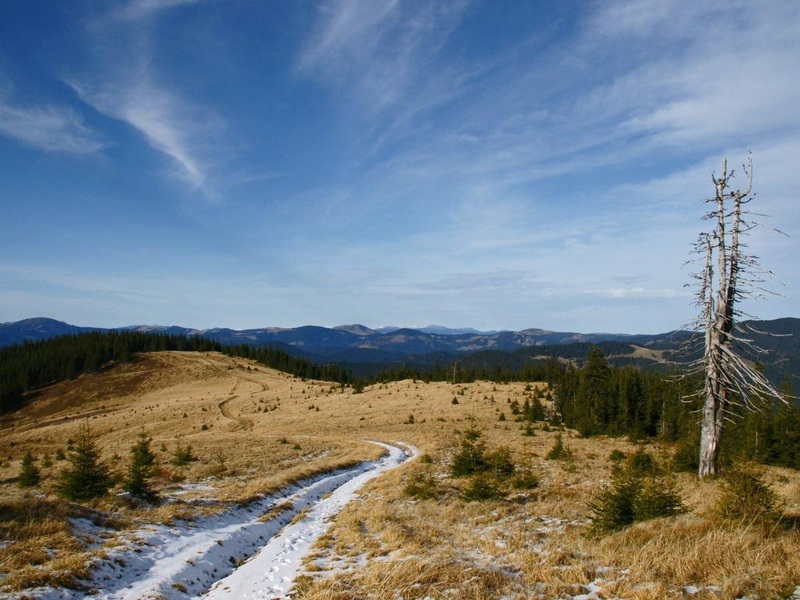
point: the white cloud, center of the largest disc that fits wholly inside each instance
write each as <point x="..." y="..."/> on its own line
<point x="477" y="283"/>
<point x="137" y="10"/>
<point x="639" y="292"/>
<point x="125" y="83"/>
<point x="49" y="128"/>
<point x="708" y="74"/>
<point x="164" y="120"/>
<point x="645" y="18"/>
<point x="382" y="57"/>
<point x="345" y="29"/>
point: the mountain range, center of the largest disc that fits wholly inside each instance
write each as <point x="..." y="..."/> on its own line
<point x="366" y="349"/>
<point x="314" y="339"/>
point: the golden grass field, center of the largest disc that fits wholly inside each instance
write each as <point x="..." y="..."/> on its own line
<point x="255" y="429"/>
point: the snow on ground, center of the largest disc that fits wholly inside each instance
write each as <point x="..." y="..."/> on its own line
<point x="271" y="572"/>
<point x="185" y="559"/>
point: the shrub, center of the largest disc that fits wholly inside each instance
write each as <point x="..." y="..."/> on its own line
<point x="613" y="507"/>
<point x="525" y="480"/>
<point x="29" y="475"/>
<point x="657" y="497"/>
<point x="636" y="493"/>
<point x="559" y="451"/>
<point x="489" y="470"/>
<point x="746" y="496"/>
<point x="686" y="458"/>
<point x="422" y="486"/>
<point x="500" y="462"/>
<point x="642" y="463"/>
<point x="470" y="458"/>
<point x="183" y="455"/>
<point x="617" y="456"/>
<point x="482" y="487"/>
<point x="87" y="478"/>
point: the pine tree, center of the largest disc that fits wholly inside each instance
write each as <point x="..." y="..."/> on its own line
<point x="470" y="459"/>
<point x="140" y="470"/>
<point x="29" y="475"/>
<point x="594" y="399"/>
<point x="87" y="477"/>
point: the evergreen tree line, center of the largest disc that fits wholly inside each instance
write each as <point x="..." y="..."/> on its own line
<point x="481" y="366"/>
<point x="281" y="360"/>
<point x="32" y="365"/>
<point x="623" y="401"/>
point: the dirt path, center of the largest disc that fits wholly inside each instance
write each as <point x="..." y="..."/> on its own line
<point x="241" y="422"/>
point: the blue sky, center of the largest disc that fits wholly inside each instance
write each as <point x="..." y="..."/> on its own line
<point x="493" y="164"/>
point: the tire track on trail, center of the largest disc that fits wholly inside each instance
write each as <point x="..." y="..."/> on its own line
<point x="242" y="422"/>
<point x="271" y="572"/>
<point x="225" y="411"/>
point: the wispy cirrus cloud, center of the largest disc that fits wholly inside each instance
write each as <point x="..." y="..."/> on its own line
<point x="383" y="57"/>
<point x="126" y="84"/>
<point x="717" y="73"/>
<point x="136" y="10"/>
<point x="639" y="292"/>
<point x="471" y="282"/>
<point x="48" y="128"/>
<point x="161" y="117"/>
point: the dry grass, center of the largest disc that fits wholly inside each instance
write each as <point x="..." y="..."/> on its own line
<point x="41" y="547"/>
<point x="738" y="559"/>
<point x="254" y="430"/>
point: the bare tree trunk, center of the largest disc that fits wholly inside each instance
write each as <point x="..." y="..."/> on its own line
<point x="710" y="434"/>
<point x="730" y="380"/>
<point x="719" y="316"/>
<point x="719" y="324"/>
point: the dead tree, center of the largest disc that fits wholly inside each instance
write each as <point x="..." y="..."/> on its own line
<point x="730" y="380"/>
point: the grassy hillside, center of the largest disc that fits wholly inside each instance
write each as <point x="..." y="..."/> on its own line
<point x="253" y="429"/>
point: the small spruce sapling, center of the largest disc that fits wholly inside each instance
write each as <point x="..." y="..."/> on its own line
<point x="29" y="475"/>
<point x="140" y="470"/>
<point x="183" y="455"/>
<point x="87" y="477"/>
<point x="559" y="451"/>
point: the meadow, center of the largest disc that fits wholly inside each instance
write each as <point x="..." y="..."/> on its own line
<point x="417" y="531"/>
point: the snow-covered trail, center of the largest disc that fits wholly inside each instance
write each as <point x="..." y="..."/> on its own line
<point x="184" y="561"/>
<point x="271" y="572"/>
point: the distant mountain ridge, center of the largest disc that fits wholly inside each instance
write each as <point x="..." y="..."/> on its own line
<point x="403" y="340"/>
<point x="365" y="350"/>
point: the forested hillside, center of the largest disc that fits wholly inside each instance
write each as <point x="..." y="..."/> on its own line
<point x="602" y="399"/>
<point x="589" y="394"/>
<point x="26" y="367"/>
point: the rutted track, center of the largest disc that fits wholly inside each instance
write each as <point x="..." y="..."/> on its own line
<point x="271" y="572"/>
<point x="184" y="561"/>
